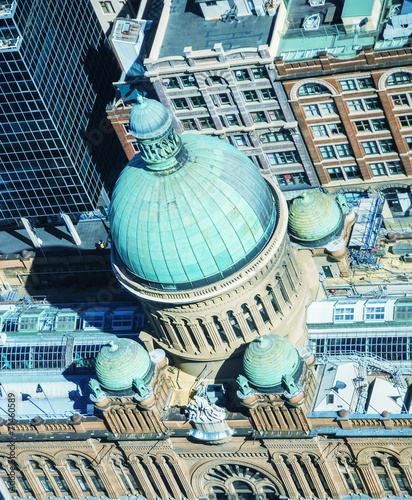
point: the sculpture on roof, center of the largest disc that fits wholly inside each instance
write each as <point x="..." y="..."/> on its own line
<point x="201" y="411"/>
<point x="244" y="387"/>
<point x="142" y="391"/>
<point x="97" y="394"/>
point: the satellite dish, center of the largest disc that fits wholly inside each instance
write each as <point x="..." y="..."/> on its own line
<point x="3" y="338"/>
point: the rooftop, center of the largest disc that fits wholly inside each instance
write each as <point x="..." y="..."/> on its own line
<point x="188" y="28"/>
<point x="341" y="28"/>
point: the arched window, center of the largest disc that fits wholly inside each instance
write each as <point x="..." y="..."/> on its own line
<point x="18" y="488"/>
<point x="217" y="493"/>
<point x="350" y="475"/>
<point x="399" y="78"/>
<point x="234" y="324"/>
<point x="261" y="309"/>
<point x="307" y="475"/>
<point x="41" y="476"/>
<point x="206" y="333"/>
<point x="238" y="482"/>
<point x="85" y="475"/>
<point x="242" y="490"/>
<point x="124" y="472"/>
<point x="399" y="475"/>
<point x="248" y="318"/>
<point x="272" y="299"/>
<point x="293" y="476"/>
<point x="282" y="289"/>
<point x="192" y="335"/>
<point x="382" y="475"/>
<point x="220" y="329"/>
<point x="56" y="477"/>
<point x="312" y="89"/>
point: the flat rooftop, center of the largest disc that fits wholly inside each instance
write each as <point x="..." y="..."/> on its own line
<point x="188" y="28"/>
<point x="331" y="35"/>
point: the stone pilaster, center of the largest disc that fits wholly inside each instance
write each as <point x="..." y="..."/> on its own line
<point x="284" y="474"/>
<point x="301" y="477"/>
<point x="154" y="473"/>
<point x="141" y="476"/>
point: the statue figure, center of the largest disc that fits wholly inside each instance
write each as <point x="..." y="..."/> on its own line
<point x="97" y="393"/>
<point x="244" y="387"/>
<point x="290" y="385"/>
<point x="342" y="202"/>
<point x="142" y="391"/>
<point x="202" y="411"/>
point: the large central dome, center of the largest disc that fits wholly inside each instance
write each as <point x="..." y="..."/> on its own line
<point x="188" y="211"/>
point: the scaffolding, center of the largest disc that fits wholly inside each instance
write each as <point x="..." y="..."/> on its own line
<point x="365" y="232"/>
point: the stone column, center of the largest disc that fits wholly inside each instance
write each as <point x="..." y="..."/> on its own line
<point x="111" y="421"/>
<point x="371" y="480"/>
<point x="285" y="477"/>
<point x="183" y="477"/>
<point x="141" y="476"/>
<point x="269" y="309"/>
<point x="288" y="417"/>
<point x="286" y="286"/>
<point x="102" y="474"/>
<point x="301" y="477"/>
<point x="392" y="478"/>
<point x="279" y="417"/>
<point x="313" y="473"/>
<point x="172" y="335"/>
<point x="141" y="420"/>
<point x="72" y="484"/>
<point x="154" y="473"/>
<point x="407" y="469"/>
<point x="244" y="327"/>
<point x="269" y="414"/>
<point x="133" y="420"/>
<point x="289" y="278"/>
<point x="257" y="318"/>
<point x="230" y="334"/>
<point x="279" y="298"/>
<point x="125" y="421"/>
<point x="35" y="484"/>
<point x="46" y="472"/>
<point x="199" y="336"/>
<point x="323" y="465"/>
<point x="214" y="335"/>
<point x="164" y="465"/>
<point x="293" y="264"/>
<point x="187" y="341"/>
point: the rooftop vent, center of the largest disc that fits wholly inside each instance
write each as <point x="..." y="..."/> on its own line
<point x="126" y="28"/>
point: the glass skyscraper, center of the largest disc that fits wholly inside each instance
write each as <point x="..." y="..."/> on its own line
<point x="56" y="146"/>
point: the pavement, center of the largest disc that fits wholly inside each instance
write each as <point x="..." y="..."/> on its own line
<point x="56" y="238"/>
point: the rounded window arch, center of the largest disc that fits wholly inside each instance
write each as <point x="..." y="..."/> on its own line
<point x="86" y="477"/>
<point x="239" y="482"/>
<point x="309" y="87"/>
<point x="399" y="78"/>
<point x="312" y="88"/>
<point x="395" y="78"/>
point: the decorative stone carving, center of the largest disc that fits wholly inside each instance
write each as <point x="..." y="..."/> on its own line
<point x="97" y="394"/>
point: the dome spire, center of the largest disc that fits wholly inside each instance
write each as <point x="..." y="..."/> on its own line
<point x="151" y="123"/>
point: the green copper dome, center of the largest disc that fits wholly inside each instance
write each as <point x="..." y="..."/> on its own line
<point x="315" y="219"/>
<point x="268" y="359"/>
<point x="120" y="362"/>
<point x="149" y="119"/>
<point x="189" y="211"/>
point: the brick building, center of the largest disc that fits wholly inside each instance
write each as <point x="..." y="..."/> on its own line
<point x="355" y="117"/>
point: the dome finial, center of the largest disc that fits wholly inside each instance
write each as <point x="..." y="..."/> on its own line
<point x="113" y="346"/>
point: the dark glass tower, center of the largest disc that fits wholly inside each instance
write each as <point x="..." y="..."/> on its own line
<point x="56" y="146"/>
